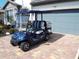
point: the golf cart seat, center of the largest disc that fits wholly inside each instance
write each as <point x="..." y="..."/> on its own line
<point x="39" y="26"/>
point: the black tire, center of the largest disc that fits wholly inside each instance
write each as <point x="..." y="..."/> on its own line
<point x="46" y="38"/>
<point x="25" y="46"/>
<point x="13" y="42"/>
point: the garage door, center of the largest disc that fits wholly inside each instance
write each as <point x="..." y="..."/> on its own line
<point x="64" y="22"/>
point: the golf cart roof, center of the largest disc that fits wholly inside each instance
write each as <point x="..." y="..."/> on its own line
<point x="24" y="11"/>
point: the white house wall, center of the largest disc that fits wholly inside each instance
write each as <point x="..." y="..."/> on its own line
<point x="24" y="3"/>
<point x="57" y="6"/>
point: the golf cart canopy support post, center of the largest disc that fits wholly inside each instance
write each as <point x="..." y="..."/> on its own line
<point x="36" y="12"/>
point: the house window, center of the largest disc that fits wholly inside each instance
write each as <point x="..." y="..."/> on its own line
<point x="9" y="16"/>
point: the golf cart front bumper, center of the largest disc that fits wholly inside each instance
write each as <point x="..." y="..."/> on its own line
<point x="14" y="42"/>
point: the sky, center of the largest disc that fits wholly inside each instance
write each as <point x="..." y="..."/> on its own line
<point x="2" y="2"/>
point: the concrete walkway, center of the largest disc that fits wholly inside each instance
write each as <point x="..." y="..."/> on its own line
<point x="58" y="47"/>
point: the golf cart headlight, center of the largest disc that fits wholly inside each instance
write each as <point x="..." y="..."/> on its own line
<point x="20" y="37"/>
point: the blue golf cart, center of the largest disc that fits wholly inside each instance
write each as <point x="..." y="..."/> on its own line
<point x="36" y="31"/>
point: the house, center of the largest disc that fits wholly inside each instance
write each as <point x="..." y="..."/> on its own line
<point x="1" y="15"/>
<point x="63" y="14"/>
<point x="11" y="17"/>
<point x="24" y="3"/>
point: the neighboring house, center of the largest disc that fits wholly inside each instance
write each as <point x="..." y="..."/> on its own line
<point x="1" y="15"/>
<point x="11" y="17"/>
<point x="63" y="14"/>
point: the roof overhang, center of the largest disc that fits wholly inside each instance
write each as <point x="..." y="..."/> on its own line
<point x="34" y="3"/>
<point x="48" y="11"/>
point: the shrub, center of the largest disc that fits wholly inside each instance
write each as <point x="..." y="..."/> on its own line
<point x="7" y="26"/>
<point x="12" y="30"/>
<point x="1" y="28"/>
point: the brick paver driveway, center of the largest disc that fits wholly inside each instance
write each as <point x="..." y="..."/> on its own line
<point x="58" y="47"/>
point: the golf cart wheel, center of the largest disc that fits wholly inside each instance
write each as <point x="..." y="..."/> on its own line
<point x="25" y="46"/>
<point x="46" y="38"/>
<point x="13" y="43"/>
